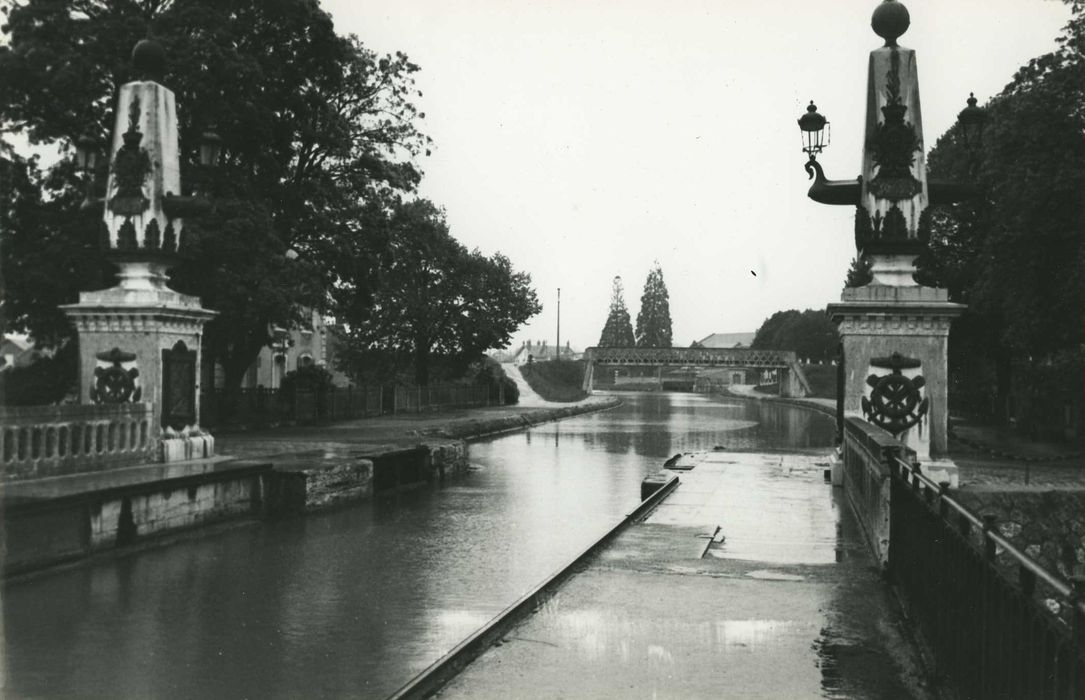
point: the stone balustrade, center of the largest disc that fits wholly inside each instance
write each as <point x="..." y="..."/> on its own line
<point x="42" y="441"/>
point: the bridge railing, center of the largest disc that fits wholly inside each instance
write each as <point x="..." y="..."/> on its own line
<point x="721" y="357"/>
<point x="1002" y="626"/>
<point x="42" y="441"/>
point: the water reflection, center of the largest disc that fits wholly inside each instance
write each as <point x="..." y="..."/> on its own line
<point x="356" y="601"/>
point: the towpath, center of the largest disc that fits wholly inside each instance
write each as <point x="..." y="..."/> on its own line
<point x="391" y="432"/>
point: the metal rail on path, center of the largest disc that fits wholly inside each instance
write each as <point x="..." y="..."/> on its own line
<point x="444" y="669"/>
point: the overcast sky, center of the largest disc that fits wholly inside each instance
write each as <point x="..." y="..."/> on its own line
<point x="587" y="139"/>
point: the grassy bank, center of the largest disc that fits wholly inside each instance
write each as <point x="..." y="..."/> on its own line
<point x="557" y="380"/>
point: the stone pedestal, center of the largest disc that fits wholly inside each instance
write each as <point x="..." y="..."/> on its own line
<point x="158" y="333"/>
<point x="878" y="322"/>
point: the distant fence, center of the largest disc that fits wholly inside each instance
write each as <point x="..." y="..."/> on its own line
<point x="1001" y="625"/>
<point x="41" y="441"/>
<point x="260" y="406"/>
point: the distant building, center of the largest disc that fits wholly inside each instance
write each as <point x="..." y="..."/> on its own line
<point x="17" y="351"/>
<point x="725" y="340"/>
<point x="313" y="344"/>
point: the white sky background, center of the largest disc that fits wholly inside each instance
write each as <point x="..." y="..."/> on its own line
<point x="587" y="139"/>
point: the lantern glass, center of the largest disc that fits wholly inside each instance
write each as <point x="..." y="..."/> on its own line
<point x="815" y="131"/>
<point x="210" y="149"/>
<point x="86" y="152"/>
<point x="972" y="119"/>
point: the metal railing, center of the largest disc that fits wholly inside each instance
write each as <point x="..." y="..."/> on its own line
<point x="1002" y="626"/>
<point x="42" y="441"/>
<point x="416" y="399"/>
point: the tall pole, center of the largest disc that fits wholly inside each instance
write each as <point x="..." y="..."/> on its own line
<point x="558" y="356"/>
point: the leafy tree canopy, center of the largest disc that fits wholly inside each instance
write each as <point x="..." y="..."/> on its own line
<point x="618" y="330"/>
<point x="316" y="129"/>
<point x="810" y="334"/>
<point x="1016" y="255"/>
<point x="654" y="317"/>
<point x="434" y="299"/>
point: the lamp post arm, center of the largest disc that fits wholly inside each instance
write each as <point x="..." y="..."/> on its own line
<point x="831" y="191"/>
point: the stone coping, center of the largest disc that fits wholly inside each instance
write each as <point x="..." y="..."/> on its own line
<point x="166" y="476"/>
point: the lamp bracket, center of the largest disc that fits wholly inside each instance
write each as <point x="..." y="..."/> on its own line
<point x="831" y="191"/>
<point x="948" y="192"/>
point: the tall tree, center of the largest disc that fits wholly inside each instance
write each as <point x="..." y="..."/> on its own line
<point x="315" y="127"/>
<point x="654" y="317"/>
<point x="1016" y="255"/>
<point x="618" y="330"/>
<point x="434" y="299"/>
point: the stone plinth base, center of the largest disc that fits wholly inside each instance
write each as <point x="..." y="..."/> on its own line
<point x="877" y="321"/>
<point x="185" y="448"/>
<point x="162" y="329"/>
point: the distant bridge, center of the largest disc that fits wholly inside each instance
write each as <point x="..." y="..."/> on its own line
<point x="792" y="380"/>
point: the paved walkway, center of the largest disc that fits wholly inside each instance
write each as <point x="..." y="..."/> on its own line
<point x="528" y="397"/>
<point x="751" y="580"/>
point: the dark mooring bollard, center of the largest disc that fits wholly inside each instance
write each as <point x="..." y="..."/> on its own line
<point x="653" y="483"/>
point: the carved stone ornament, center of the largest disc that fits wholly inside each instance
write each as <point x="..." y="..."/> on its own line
<point x="884" y="234"/>
<point x="131" y="166"/>
<point x="894" y="145"/>
<point x="895" y="402"/>
<point x="115" y="384"/>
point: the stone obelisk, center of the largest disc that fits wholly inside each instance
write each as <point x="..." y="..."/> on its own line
<point x="140" y="340"/>
<point x="896" y="331"/>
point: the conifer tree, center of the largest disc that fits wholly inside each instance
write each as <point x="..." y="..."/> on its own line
<point x="654" y="318"/>
<point x="618" y="331"/>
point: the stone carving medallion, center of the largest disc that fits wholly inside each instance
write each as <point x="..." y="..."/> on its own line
<point x="115" y="384"/>
<point x="895" y="402"/>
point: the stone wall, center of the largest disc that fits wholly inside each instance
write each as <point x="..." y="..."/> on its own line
<point x="125" y="519"/>
<point x="41" y="530"/>
<point x="1048" y="526"/>
<point x="866" y="452"/>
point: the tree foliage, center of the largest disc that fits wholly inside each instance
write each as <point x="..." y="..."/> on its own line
<point x="654" y="317"/>
<point x="1016" y="255"/>
<point x="618" y="330"/>
<point x="316" y="128"/>
<point x="810" y="334"/>
<point x="434" y="299"/>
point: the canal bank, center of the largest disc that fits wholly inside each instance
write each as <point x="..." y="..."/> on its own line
<point x="281" y="472"/>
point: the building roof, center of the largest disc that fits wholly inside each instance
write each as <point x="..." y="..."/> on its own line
<point x="727" y="340"/>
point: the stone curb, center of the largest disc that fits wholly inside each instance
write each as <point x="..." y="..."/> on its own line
<point x="475" y="428"/>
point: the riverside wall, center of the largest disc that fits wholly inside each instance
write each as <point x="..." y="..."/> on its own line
<point x="53" y="521"/>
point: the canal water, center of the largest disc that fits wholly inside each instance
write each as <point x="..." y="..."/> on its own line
<point x="354" y="602"/>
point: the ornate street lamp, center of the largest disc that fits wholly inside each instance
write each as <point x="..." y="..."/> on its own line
<point x="972" y="120"/>
<point x="86" y="153"/>
<point x="815" y="131"/>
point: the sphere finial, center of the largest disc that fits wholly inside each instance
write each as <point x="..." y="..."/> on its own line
<point x="890" y="20"/>
<point x="149" y="60"/>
